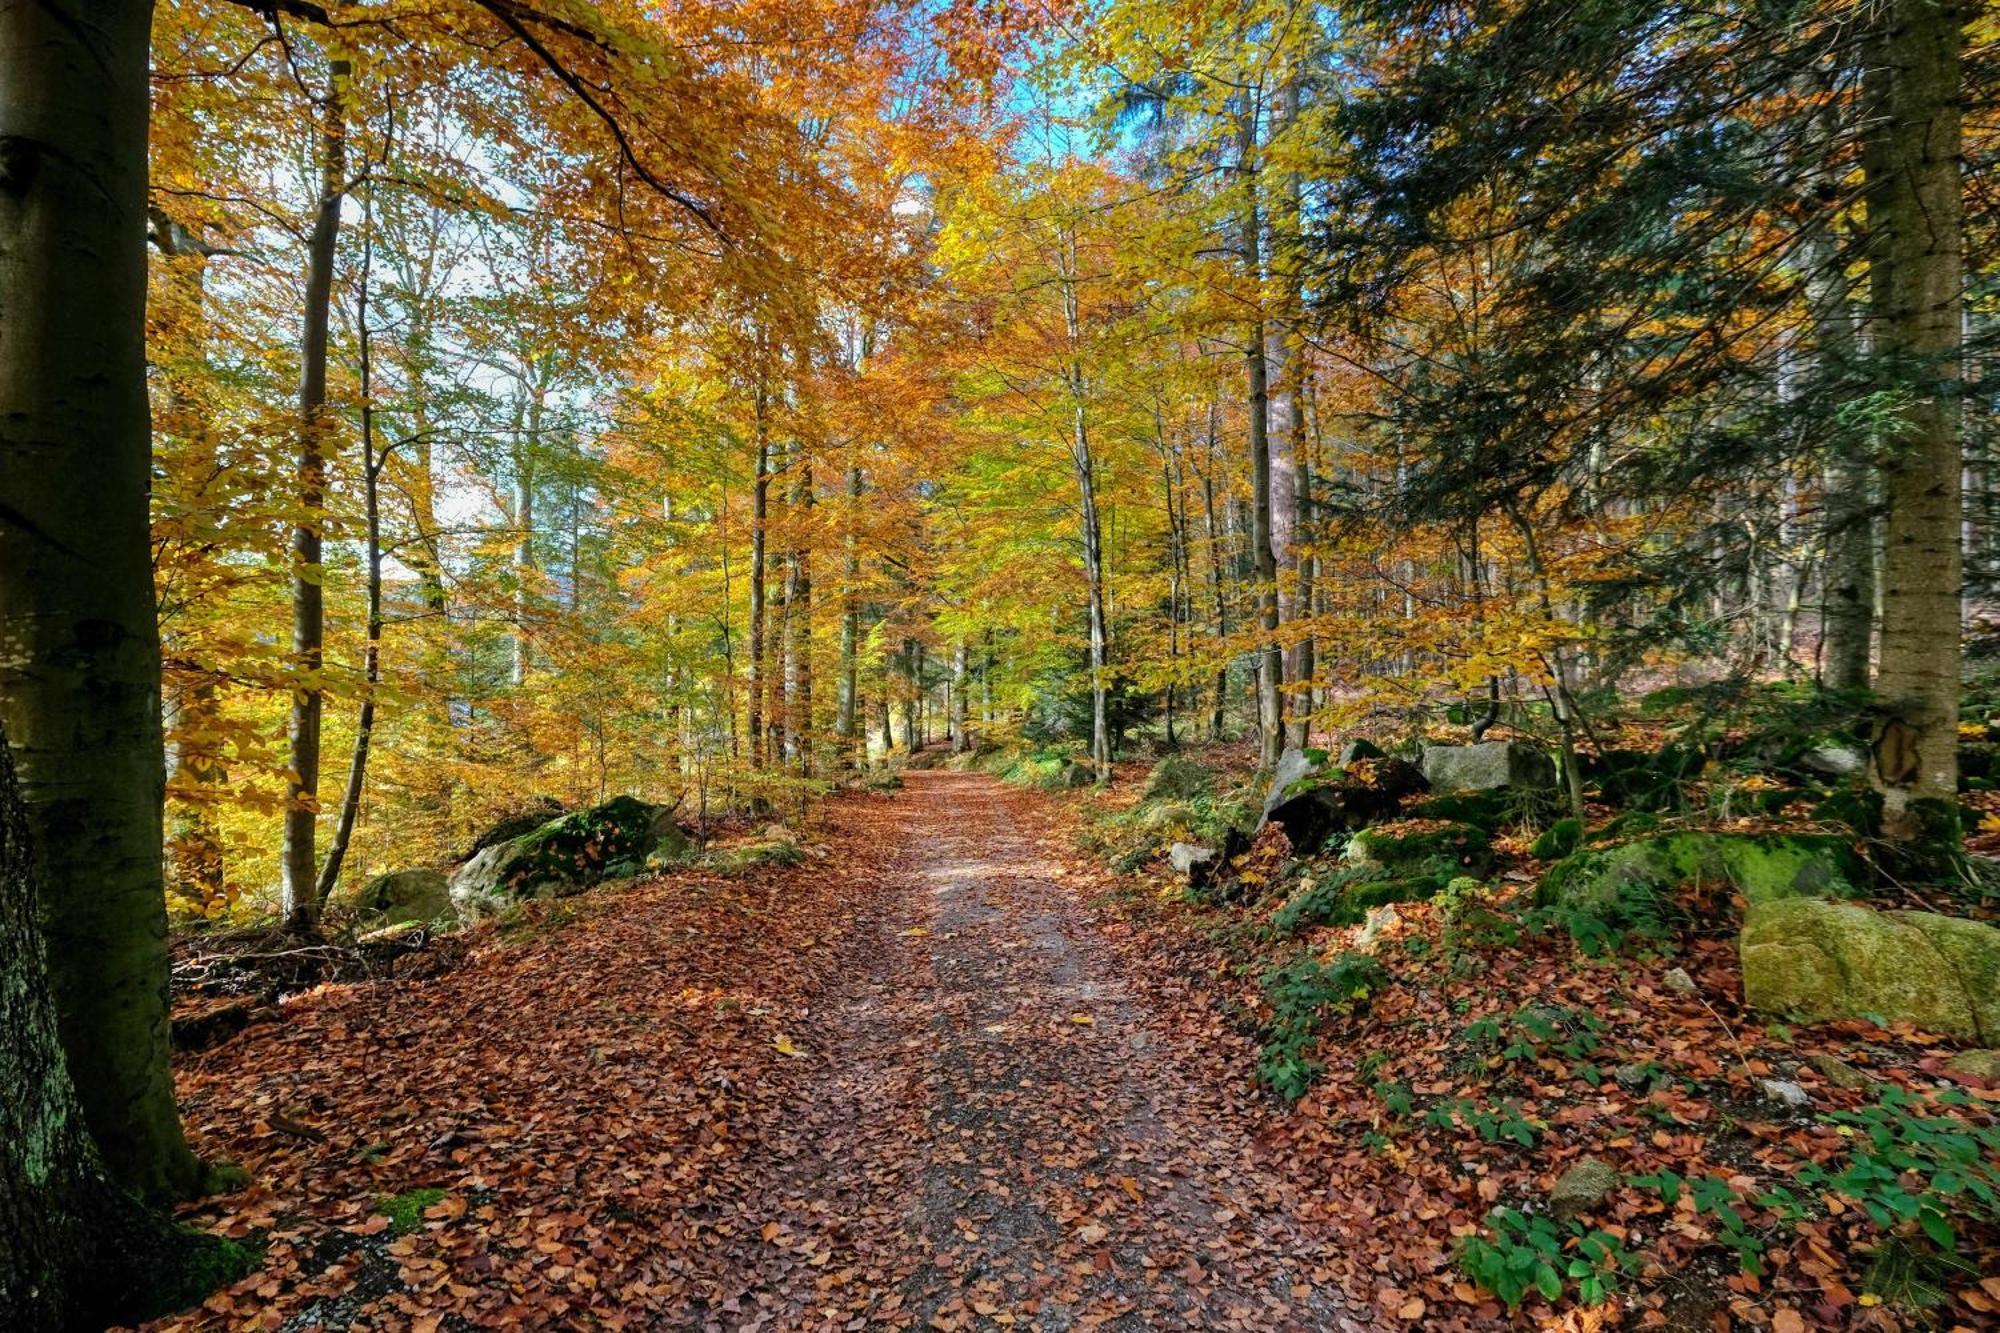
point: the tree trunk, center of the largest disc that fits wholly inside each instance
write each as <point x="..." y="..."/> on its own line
<point x="1264" y="560"/>
<point x="80" y="677"/>
<point x="299" y="861"/>
<point x="847" y="720"/>
<point x="196" y="767"/>
<point x="958" y="687"/>
<point x="760" y="509"/>
<point x="1848" y="582"/>
<point x="1916" y="281"/>
<point x="76" y="1251"/>
<point x="371" y="499"/>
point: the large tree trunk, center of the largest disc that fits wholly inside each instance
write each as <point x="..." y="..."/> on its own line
<point x="1085" y="469"/>
<point x="299" y="862"/>
<point x="1916" y="292"/>
<point x="76" y="1251"/>
<point x="80" y="673"/>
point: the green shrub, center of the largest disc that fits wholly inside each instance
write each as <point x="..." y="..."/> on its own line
<point x="1532" y="1252"/>
<point x="1302" y="993"/>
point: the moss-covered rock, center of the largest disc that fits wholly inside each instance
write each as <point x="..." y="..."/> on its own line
<point x="568" y="854"/>
<point x="1813" y="960"/>
<point x="405" y="895"/>
<point x="1558" y="839"/>
<point x="1176" y="778"/>
<point x="1759" y="866"/>
<point x="1489" y="810"/>
<point x="1403" y="846"/>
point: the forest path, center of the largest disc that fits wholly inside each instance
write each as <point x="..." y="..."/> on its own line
<point x="1008" y="1118"/>
<point x="907" y="1084"/>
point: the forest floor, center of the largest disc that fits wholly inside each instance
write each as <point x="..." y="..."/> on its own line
<point x="914" y="1082"/>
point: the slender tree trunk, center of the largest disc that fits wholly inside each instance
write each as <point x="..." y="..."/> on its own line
<point x="1270" y="657"/>
<point x="1084" y="468"/>
<point x="958" y="686"/>
<point x="760" y="510"/>
<point x="1848" y="581"/>
<point x="80" y="674"/>
<point x="1220" y="602"/>
<point x="847" y="720"/>
<point x="525" y="444"/>
<point x="371" y="676"/>
<point x="1916" y="248"/>
<point x="299" y="861"/>
<point x="197" y="771"/>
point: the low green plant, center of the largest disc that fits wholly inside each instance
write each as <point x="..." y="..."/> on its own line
<point x="1533" y="1252"/>
<point x="1906" y="1165"/>
<point x="1302" y="993"/>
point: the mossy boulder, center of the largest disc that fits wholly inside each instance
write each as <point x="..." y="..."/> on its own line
<point x="404" y="895"/>
<point x="1327" y="802"/>
<point x="568" y="854"/>
<point x="1557" y="840"/>
<point x="1176" y="778"/>
<point x="1404" y="846"/>
<point x="1489" y="810"/>
<point x="1812" y="960"/>
<point x="1761" y="867"/>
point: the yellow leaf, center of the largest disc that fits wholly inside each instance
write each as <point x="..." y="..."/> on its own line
<point x="915" y="931"/>
<point x="1084" y="1019"/>
<point x="784" y="1045"/>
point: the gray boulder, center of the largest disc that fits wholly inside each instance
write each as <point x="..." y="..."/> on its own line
<point x="1488" y="765"/>
<point x="405" y="895"/>
<point x="1293" y="766"/>
<point x="1358" y="749"/>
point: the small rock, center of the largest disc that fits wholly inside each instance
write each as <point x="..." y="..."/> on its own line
<point x="1982" y="1065"/>
<point x="1679" y="982"/>
<point x="1840" y="1073"/>
<point x="1380" y="920"/>
<point x="1834" y="760"/>
<point x="1582" y="1187"/>
<point x="1784" y="1092"/>
<point x="1191" y="862"/>
<point x="1632" y="1077"/>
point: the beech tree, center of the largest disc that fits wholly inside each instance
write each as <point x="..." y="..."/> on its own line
<point x="79" y="645"/>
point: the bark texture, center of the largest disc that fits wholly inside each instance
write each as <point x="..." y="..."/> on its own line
<point x="1916" y="279"/>
<point x="79" y="644"/>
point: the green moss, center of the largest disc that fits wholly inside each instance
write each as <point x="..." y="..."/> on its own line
<point x="196" y="1264"/>
<point x="405" y="1211"/>
<point x="771" y="852"/>
<point x="1467" y="845"/>
<point x="1488" y="810"/>
<point x="1558" y="839"/>
<point x="1176" y="778"/>
<point x="1759" y="866"/>
<point x="578" y="847"/>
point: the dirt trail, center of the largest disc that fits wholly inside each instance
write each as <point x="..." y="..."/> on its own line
<point x="1006" y="1119"/>
<point x="902" y="1086"/>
